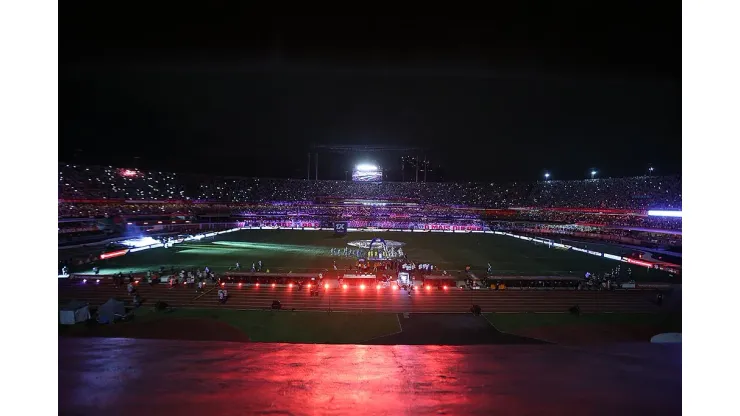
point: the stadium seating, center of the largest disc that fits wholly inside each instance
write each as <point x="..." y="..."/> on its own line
<point x="96" y="192"/>
<point x="642" y="192"/>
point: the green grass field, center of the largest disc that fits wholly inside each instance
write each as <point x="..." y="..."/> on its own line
<point x="262" y="326"/>
<point x="289" y="250"/>
<point x="567" y="329"/>
<point x="512" y="322"/>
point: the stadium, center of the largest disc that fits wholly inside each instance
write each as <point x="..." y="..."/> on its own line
<point x="301" y="214"/>
<point x="255" y="245"/>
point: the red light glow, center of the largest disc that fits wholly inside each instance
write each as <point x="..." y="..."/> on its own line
<point x="429" y="287"/>
<point x="362" y="287"/>
<point x="112" y="254"/>
<point x="638" y="262"/>
<point x="444" y="287"/>
<point x="290" y="284"/>
<point x="240" y="285"/>
<point x="256" y="285"/>
<point x="309" y="285"/>
<point x="344" y="286"/>
<point x="326" y="286"/>
<point x="395" y="287"/>
<point x="273" y="285"/>
<point x="377" y="287"/>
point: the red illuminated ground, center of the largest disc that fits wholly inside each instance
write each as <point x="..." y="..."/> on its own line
<point x="156" y="377"/>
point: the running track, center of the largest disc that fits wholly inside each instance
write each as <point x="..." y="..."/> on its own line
<point x="369" y="299"/>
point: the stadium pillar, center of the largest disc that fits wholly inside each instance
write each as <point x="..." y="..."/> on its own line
<point x="426" y="168"/>
<point x="417" y="168"/>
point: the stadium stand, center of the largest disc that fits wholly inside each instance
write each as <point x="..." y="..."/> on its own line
<point x="635" y="193"/>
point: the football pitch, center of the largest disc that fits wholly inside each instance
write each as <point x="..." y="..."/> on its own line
<point x="302" y="251"/>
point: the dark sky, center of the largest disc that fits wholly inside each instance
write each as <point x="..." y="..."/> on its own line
<point x="491" y="97"/>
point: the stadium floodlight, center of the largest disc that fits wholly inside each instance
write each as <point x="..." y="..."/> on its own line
<point x="365" y="167"/>
<point x="593" y="173"/>
<point x="547" y="175"/>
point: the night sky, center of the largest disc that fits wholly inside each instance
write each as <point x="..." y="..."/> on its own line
<point x="499" y="97"/>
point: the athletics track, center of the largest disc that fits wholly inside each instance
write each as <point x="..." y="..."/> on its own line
<point x="370" y="299"/>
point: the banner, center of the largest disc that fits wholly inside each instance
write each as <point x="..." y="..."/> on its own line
<point x="340" y="228"/>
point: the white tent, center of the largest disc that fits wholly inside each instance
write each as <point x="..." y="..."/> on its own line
<point x="111" y="310"/>
<point x="74" y="312"/>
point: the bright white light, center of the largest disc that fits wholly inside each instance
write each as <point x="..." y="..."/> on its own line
<point x="659" y="213"/>
<point x="366" y="168"/>
<point x="547" y="175"/>
<point x="593" y="172"/>
<point x="139" y="242"/>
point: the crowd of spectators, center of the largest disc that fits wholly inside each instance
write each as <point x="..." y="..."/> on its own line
<point x="641" y="192"/>
<point x="111" y="209"/>
<point x="89" y="182"/>
<point x="625" y="236"/>
<point x="96" y="182"/>
<point x="597" y="218"/>
<point x="95" y="192"/>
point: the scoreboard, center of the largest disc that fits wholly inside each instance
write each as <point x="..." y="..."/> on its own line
<point x="367" y="173"/>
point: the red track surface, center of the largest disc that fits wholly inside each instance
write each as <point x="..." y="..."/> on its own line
<point x="370" y="299"/>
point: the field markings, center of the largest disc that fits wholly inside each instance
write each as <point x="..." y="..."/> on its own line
<point x="203" y="293"/>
